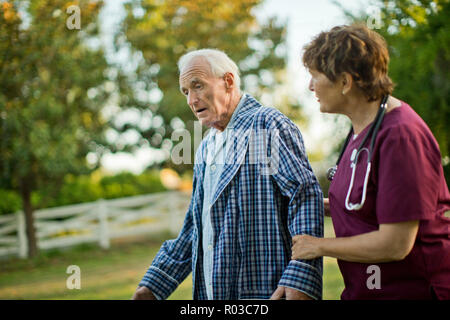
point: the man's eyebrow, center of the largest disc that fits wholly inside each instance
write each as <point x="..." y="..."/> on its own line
<point x="192" y="82"/>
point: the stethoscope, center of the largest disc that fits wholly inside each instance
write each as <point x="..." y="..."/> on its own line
<point x="373" y="130"/>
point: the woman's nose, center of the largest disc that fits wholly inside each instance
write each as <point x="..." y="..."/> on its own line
<point x="311" y="86"/>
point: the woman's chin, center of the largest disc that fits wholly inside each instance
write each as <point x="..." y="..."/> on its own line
<point x="323" y="108"/>
<point x="326" y="109"/>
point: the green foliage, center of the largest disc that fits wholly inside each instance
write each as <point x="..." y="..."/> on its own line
<point x="418" y="35"/>
<point x="127" y="184"/>
<point x="10" y="201"/>
<point x="48" y="122"/>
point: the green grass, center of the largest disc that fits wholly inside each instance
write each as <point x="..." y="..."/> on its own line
<point x="107" y="274"/>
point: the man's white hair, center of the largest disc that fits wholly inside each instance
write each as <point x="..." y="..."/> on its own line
<point x="218" y="60"/>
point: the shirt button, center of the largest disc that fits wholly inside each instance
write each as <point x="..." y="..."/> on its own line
<point x="213" y="167"/>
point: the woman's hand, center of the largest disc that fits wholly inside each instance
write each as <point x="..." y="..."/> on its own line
<point x="305" y="247"/>
<point x="326" y="207"/>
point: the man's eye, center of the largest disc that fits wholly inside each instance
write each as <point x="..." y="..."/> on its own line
<point x="198" y="86"/>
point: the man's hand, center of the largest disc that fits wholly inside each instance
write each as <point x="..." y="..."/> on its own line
<point x="143" y="293"/>
<point x="289" y="294"/>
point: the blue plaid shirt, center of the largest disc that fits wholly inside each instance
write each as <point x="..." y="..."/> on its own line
<point x="266" y="194"/>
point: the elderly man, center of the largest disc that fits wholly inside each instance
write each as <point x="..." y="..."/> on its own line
<point x="237" y="232"/>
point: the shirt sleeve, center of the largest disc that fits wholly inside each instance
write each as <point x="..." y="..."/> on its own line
<point x="296" y="181"/>
<point x="408" y="178"/>
<point x="172" y="263"/>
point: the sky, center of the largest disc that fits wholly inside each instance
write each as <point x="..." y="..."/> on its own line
<point x="305" y="19"/>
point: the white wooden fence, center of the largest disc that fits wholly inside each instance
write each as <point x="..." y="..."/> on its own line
<point x="98" y="221"/>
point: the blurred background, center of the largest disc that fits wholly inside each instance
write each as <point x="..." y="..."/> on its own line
<point x="90" y="106"/>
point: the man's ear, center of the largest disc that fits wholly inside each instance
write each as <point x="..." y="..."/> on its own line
<point x="346" y="81"/>
<point x="228" y="77"/>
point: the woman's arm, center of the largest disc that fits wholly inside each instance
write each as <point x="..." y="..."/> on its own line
<point x="391" y="242"/>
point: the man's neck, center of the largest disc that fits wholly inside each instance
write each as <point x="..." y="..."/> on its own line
<point x="235" y="97"/>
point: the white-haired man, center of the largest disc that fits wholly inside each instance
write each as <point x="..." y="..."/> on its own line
<point x="237" y="232"/>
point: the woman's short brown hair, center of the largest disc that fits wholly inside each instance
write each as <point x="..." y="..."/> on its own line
<point x="356" y="50"/>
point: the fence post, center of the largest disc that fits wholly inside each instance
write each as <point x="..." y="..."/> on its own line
<point x="21" y="235"/>
<point x="103" y="224"/>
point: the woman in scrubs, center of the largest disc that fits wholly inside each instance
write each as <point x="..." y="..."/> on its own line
<point x="396" y="245"/>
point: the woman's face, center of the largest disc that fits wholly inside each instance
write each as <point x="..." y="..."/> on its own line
<point x="328" y="93"/>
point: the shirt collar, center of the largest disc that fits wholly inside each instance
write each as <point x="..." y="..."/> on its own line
<point x="232" y="121"/>
<point x="236" y="111"/>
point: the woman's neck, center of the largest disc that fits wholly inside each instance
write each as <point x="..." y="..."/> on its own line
<point x="362" y="114"/>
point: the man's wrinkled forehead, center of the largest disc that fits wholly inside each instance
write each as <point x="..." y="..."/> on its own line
<point x="197" y="68"/>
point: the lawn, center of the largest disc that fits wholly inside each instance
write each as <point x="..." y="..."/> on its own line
<point x="111" y="274"/>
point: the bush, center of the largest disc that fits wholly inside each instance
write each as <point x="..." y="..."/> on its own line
<point x="10" y="201"/>
<point x="85" y="188"/>
<point x="127" y="184"/>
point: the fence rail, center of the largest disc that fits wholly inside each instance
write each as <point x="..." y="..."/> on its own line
<point x="98" y="221"/>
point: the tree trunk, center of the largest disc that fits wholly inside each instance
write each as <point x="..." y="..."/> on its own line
<point x="29" y="219"/>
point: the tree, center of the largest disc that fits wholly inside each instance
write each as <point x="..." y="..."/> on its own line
<point x="161" y="31"/>
<point x="49" y="115"/>
<point x="418" y="36"/>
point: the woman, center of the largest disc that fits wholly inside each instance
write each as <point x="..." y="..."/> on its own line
<point x="392" y="235"/>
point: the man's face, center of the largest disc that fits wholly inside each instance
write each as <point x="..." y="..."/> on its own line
<point x="206" y="94"/>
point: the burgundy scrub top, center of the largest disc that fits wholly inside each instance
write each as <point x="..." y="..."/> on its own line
<point x="406" y="183"/>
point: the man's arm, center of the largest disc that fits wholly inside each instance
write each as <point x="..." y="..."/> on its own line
<point x="172" y="263"/>
<point x="297" y="182"/>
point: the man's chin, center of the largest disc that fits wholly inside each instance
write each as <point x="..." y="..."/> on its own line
<point x="203" y="122"/>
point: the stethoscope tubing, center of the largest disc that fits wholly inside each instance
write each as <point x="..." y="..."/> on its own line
<point x="373" y="131"/>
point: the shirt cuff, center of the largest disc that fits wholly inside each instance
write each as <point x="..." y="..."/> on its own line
<point x="159" y="283"/>
<point x="303" y="277"/>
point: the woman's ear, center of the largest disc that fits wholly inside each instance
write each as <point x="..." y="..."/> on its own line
<point x="346" y="82"/>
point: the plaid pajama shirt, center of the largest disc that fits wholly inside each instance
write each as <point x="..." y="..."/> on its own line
<point x="258" y="206"/>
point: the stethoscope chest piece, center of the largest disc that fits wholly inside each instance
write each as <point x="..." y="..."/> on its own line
<point x="331" y="172"/>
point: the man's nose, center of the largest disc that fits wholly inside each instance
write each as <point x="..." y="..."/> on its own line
<point x="192" y="99"/>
